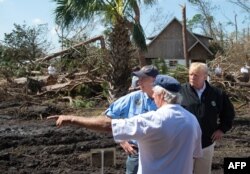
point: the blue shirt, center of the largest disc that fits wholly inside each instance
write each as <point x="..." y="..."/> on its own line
<point x="130" y="105"/>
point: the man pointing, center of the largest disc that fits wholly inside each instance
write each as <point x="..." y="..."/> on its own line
<point x="169" y="138"/>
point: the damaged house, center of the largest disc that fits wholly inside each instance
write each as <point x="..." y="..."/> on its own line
<point x="168" y="45"/>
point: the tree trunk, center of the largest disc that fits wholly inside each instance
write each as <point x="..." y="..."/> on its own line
<point x="184" y="36"/>
<point x="137" y="18"/>
<point x="120" y="55"/>
<point x="142" y="59"/>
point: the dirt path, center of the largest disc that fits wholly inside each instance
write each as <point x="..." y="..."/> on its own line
<point x="37" y="146"/>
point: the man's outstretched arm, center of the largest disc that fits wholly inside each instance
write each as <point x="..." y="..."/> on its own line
<point x="100" y="123"/>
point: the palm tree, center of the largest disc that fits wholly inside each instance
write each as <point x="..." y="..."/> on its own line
<point x="124" y="16"/>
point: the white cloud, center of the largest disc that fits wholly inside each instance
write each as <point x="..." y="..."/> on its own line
<point x="37" y="21"/>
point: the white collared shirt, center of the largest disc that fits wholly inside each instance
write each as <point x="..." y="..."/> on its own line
<point x="168" y="139"/>
<point x="200" y="91"/>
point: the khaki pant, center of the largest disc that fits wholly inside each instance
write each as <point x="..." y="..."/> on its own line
<point x="203" y="165"/>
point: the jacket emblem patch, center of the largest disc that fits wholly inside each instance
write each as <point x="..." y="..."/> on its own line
<point x="213" y="103"/>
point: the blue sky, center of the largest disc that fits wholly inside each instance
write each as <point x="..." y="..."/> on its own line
<point x="35" y="12"/>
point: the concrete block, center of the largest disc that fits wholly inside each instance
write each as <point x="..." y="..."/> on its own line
<point x="103" y="157"/>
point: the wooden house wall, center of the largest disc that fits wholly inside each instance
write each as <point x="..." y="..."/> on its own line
<point x="169" y="45"/>
<point x="204" y="40"/>
<point x="198" y="53"/>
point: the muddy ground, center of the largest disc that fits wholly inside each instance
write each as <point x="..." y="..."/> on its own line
<point x="31" y="144"/>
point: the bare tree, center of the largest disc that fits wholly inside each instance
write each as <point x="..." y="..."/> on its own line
<point x="236" y="27"/>
<point x="205" y="9"/>
<point x="156" y="21"/>
<point x="73" y="34"/>
<point x="244" y="4"/>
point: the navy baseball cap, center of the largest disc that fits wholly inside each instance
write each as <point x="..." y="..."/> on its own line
<point x="167" y="82"/>
<point x="148" y="70"/>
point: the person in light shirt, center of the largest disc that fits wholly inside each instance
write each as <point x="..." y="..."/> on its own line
<point x="134" y="81"/>
<point x="51" y="70"/>
<point x="243" y="69"/>
<point x="218" y="71"/>
<point x="245" y="73"/>
<point x="168" y="138"/>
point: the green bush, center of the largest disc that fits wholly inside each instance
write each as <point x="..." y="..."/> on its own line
<point x="83" y="103"/>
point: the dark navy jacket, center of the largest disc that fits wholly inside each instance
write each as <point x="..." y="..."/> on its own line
<point x="213" y="111"/>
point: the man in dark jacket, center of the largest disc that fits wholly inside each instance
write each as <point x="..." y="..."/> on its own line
<point x="213" y="109"/>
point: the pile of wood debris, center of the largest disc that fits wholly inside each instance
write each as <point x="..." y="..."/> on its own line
<point x="42" y="87"/>
<point x="232" y="80"/>
<point x="40" y="96"/>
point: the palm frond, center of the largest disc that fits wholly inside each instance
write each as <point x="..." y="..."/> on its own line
<point x="73" y="11"/>
<point x="139" y="36"/>
<point x="149" y="2"/>
<point x="146" y="2"/>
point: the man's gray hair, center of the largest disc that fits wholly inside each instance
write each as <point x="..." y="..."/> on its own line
<point x="199" y="66"/>
<point x="169" y="97"/>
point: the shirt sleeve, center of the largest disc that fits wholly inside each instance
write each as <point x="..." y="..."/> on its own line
<point x="118" y="127"/>
<point x="125" y="129"/>
<point x="120" y="108"/>
<point x="135" y="127"/>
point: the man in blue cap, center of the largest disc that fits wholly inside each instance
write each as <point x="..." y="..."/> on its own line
<point x="168" y="138"/>
<point x="133" y="104"/>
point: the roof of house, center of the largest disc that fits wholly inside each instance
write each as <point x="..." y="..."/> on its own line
<point x="198" y="41"/>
